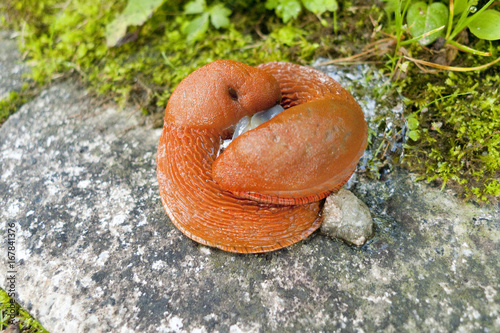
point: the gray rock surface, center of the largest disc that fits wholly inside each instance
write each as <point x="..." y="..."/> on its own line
<point x="346" y="217"/>
<point x="11" y="67"/>
<point x="96" y="253"/>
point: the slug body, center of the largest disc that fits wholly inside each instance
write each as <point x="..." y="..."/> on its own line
<point x="263" y="192"/>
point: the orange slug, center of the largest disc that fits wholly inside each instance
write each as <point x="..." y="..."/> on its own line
<point x="263" y="192"/>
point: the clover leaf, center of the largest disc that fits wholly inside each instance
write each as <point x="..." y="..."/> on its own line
<point x="423" y="18"/>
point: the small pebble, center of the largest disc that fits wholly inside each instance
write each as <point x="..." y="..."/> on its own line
<point x="346" y="217"/>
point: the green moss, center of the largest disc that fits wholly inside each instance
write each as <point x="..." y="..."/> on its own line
<point x="26" y="323"/>
<point x="460" y="133"/>
<point x="14" y="100"/>
<point x="8" y="106"/>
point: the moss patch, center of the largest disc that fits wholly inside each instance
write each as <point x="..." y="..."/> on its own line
<point x="459" y="132"/>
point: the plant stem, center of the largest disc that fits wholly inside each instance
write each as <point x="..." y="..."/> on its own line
<point x="399" y="15"/>
<point x="452" y="68"/>
<point x="409" y="41"/>
<point x="450" y="20"/>
<point x="439" y="99"/>
<point x="468" y="49"/>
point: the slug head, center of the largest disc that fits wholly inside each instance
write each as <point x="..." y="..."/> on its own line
<point x="217" y="95"/>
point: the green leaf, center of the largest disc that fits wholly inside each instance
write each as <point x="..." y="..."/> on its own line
<point x="219" y="16"/>
<point x="135" y="13"/>
<point x="423" y="19"/>
<point x="486" y="25"/>
<point x="414" y="135"/>
<point x="285" y="9"/>
<point x="197" y="28"/>
<point x="195" y="7"/>
<point x="412" y="122"/>
<point x="287" y="35"/>
<point x="413" y="127"/>
<point x="320" y="6"/>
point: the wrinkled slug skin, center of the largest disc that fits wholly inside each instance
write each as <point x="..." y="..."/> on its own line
<point x="206" y="213"/>
<point x="204" y="195"/>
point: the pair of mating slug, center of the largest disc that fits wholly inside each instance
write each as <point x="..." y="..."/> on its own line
<point x="264" y="191"/>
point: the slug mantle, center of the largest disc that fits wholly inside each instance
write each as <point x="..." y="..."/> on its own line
<point x="263" y="191"/>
